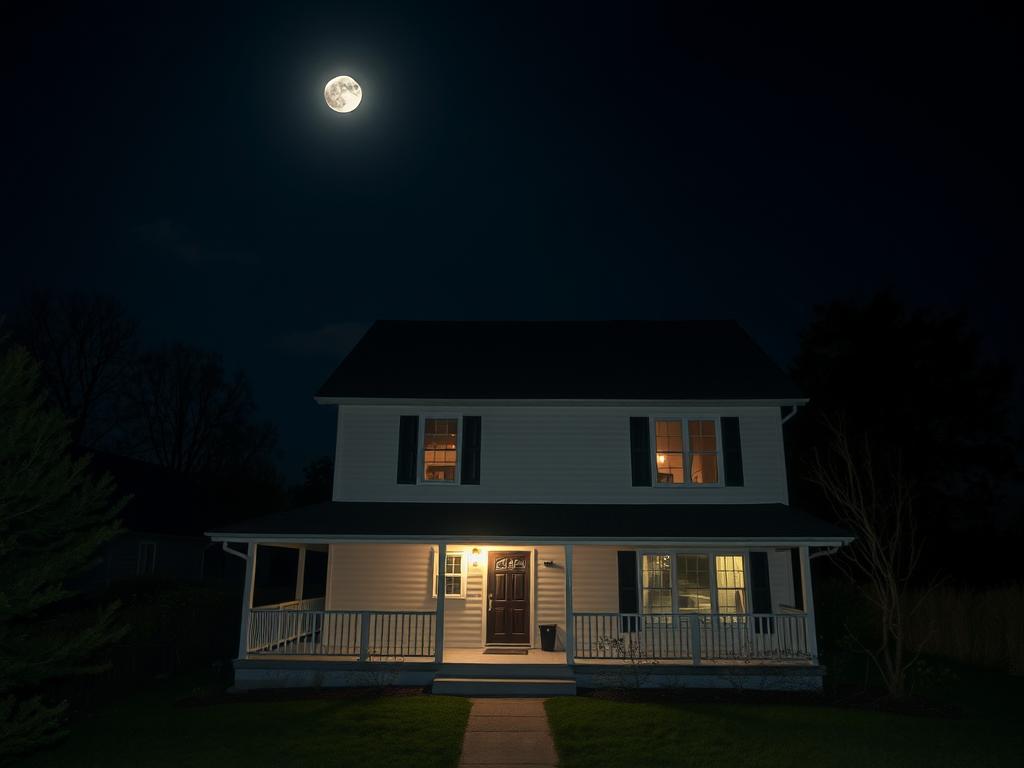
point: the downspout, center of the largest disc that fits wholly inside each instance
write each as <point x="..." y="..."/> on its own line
<point x="235" y="552"/>
<point x="791" y="414"/>
<point x="824" y="553"/>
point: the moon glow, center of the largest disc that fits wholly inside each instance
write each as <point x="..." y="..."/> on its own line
<point x="343" y="94"/>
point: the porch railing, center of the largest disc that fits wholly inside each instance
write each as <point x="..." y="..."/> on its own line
<point x="284" y="631"/>
<point x="691" y="637"/>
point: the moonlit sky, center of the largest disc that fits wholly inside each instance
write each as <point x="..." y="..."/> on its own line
<point x="548" y="160"/>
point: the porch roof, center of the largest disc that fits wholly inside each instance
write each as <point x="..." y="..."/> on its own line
<point x="342" y="520"/>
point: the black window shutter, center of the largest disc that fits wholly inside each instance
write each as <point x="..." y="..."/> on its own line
<point x="640" y="450"/>
<point x="732" y="454"/>
<point x="761" y="592"/>
<point x="798" y="578"/>
<point x="629" y="598"/>
<point x="471" y="450"/>
<point x="408" y="428"/>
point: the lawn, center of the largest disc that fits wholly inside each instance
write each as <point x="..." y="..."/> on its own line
<point x="370" y="730"/>
<point x="591" y="733"/>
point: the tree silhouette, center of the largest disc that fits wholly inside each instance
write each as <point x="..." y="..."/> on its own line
<point x="54" y="515"/>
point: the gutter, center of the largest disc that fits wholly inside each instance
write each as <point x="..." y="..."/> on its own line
<point x="791" y="414"/>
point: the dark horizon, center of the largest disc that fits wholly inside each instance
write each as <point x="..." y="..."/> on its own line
<point x="507" y="163"/>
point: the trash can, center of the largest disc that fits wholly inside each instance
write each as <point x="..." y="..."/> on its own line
<point x="547" y="636"/>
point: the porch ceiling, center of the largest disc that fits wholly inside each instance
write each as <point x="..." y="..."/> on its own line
<point x="339" y="520"/>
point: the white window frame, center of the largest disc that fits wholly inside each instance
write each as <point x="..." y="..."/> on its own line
<point x="420" y="480"/>
<point x="685" y="420"/>
<point x="709" y="558"/>
<point x="671" y="577"/>
<point x="463" y="572"/>
<point x="710" y="554"/>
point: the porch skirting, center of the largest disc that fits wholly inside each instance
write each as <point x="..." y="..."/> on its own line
<point x="267" y="673"/>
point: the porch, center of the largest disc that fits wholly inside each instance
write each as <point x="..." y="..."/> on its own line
<point x="423" y="612"/>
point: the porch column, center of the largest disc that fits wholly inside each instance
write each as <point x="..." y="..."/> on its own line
<point x="247" y="588"/>
<point x="442" y="553"/>
<point x="570" y="624"/>
<point x="300" y="572"/>
<point x="812" y="633"/>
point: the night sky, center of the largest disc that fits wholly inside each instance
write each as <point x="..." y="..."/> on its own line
<point x="557" y="160"/>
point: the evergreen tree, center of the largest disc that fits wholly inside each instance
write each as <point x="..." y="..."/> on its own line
<point x="54" y="515"/>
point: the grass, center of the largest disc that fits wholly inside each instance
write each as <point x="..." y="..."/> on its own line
<point x="153" y="730"/>
<point x="595" y="732"/>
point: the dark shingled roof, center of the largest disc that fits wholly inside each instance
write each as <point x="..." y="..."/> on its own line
<point x="633" y="359"/>
<point x="628" y="521"/>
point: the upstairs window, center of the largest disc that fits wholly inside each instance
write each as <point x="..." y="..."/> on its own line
<point x="686" y="451"/>
<point x="440" y="449"/>
<point x="668" y="444"/>
<point x="703" y="451"/>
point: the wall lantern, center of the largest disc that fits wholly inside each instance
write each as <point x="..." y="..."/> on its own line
<point x="474" y="556"/>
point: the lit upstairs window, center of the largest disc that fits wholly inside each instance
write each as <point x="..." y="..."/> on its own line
<point x="703" y="451"/>
<point x="440" y="446"/>
<point x="668" y="444"/>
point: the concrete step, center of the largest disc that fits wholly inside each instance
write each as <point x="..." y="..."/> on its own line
<point x="504" y="686"/>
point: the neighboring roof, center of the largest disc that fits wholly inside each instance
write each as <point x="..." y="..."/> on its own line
<point x="588" y="360"/>
<point x="355" y="519"/>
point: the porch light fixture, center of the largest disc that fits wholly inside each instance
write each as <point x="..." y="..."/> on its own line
<point x="474" y="557"/>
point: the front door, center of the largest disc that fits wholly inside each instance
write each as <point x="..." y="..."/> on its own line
<point x="508" y="597"/>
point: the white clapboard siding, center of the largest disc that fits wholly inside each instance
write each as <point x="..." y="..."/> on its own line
<point x="595" y="579"/>
<point x="385" y="577"/>
<point x="549" y="454"/>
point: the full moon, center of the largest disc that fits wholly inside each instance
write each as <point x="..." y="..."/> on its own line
<point x="343" y="94"/>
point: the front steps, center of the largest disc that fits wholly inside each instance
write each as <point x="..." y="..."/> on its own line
<point x="504" y="686"/>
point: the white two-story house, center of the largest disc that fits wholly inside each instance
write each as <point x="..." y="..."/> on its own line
<point x="527" y="506"/>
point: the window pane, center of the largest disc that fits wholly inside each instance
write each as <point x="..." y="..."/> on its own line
<point x="656" y="583"/>
<point x="703" y="451"/>
<point x="731" y="584"/>
<point x="693" y="578"/>
<point x="668" y="444"/>
<point x="453" y="585"/>
<point x="440" y="446"/>
<point x="704" y="468"/>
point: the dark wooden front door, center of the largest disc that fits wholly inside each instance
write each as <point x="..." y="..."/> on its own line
<point x="508" y="597"/>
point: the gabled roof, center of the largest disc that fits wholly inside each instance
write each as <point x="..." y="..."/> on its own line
<point x="485" y="521"/>
<point x="587" y="360"/>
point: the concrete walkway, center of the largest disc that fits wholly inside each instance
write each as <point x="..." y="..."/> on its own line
<point x="508" y="733"/>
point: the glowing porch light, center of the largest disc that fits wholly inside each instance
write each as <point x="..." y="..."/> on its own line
<point x="474" y="557"/>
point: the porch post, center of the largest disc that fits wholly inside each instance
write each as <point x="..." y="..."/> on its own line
<point x="812" y="633"/>
<point x="570" y="624"/>
<point x="247" y="587"/>
<point x="300" y="572"/>
<point x="442" y="553"/>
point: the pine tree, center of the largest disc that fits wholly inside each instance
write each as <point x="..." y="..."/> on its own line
<point x="54" y="515"/>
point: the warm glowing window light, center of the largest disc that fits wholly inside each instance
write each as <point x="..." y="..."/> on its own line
<point x="668" y="439"/>
<point x="440" y="446"/>
<point x="731" y="583"/>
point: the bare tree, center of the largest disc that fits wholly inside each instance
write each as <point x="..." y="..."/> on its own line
<point x="184" y="413"/>
<point x="873" y="498"/>
<point x="85" y="346"/>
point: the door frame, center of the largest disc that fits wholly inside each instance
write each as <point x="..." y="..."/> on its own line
<point x="531" y="574"/>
